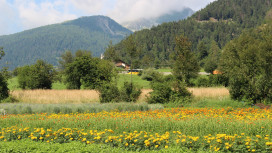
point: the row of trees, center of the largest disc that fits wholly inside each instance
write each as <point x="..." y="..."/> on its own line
<point x="78" y="71"/>
<point x="246" y="62"/>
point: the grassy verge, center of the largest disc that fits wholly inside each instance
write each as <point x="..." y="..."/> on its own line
<point x="22" y="108"/>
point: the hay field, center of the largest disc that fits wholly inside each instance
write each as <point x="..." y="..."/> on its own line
<point x="90" y="96"/>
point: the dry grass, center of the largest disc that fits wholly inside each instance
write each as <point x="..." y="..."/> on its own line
<point x="56" y="96"/>
<point x="214" y="93"/>
<point x="90" y="96"/>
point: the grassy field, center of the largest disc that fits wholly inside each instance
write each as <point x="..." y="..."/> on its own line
<point x="74" y="121"/>
<point x="206" y="129"/>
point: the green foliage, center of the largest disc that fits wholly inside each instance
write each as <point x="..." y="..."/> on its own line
<point x="89" y="72"/>
<point x="230" y="17"/>
<point x="110" y="53"/>
<point x="109" y="93"/>
<point x="37" y="76"/>
<point x="212" y="60"/>
<point x="161" y="93"/>
<point x="130" y="92"/>
<point x="49" y="42"/>
<point x="202" y="53"/>
<point x="209" y="81"/>
<point x="185" y="65"/>
<point x="166" y="90"/>
<point x="247" y="62"/>
<point x="150" y="74"/>
<point x="4" y="91"/>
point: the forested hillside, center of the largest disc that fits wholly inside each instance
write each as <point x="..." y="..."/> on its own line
<point x="49" y="42"/>
<point x="220" y="22"/>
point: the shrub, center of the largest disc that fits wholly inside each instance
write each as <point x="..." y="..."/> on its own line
<point x="130" y="92"/>
<point x="200" y="81"/>
<point x="109" y="93"/>
<point x="161" y="93"/>
<point x="218" y="80"/>
<point x="150" y="74"/>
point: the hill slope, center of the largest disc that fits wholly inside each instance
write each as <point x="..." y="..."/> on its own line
<point x="220" y="21"/>
<point x="49" y="42"/>
<point x="150" y="22"/>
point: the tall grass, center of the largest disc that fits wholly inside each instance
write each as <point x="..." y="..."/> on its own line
<point x="90" y="96"/>
<point x="56" y="96"/>
<point x="212" y="92"/>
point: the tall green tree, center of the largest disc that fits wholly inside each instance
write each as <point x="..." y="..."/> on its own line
<point x="67" y="57"/>
<point x="185" y="65"/>
<point x="110" y="53"/>
<point x="131" y="50"/>
<point x="247" y="62"/>
<point x="4" y="91"/>
<point x="37" y="76"/>
<point x="88" y="72"/>
<point x="212" y="60"/>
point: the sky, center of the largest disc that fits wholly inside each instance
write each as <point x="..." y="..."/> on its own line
<point x="20" y="15"/>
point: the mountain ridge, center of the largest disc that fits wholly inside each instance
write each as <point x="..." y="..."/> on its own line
<point x="147" y="23"/>
<point x="48" y="42"/>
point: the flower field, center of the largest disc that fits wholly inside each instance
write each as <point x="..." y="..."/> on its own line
<point x="225" y="129"/>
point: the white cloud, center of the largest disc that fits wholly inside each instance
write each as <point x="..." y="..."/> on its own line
<point x="130" y="10"/>
<point x="20" y="15"/>
<point x="34" y="15"/>
<point x="89" y="6"/>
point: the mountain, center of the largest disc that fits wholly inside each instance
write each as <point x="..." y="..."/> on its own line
<point x="49" y="42"/>
<point x="147" y="23"/>
<point x="218" y="23"/>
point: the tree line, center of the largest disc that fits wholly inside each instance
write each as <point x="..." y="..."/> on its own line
<point x="246" y="62"/>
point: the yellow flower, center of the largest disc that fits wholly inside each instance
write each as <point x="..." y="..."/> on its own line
<point x="268" y="143"/>
<point x="156" y="146"/>
<point x="126" y="144"/>
<point x="166" y="147"/>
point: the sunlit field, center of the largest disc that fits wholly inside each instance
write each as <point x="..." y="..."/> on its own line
<point x="225" y="129"/>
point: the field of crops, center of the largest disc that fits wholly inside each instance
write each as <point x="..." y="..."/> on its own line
<point x="224" y="129"/>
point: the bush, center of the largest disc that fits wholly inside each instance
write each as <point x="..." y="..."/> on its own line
<point x="4" y="91"/>
<point x="218" y="80"/>
<point x="200" y="81"/>
<point x="164" y="92"/>
<point x="150" y="74"/>
<point x="161" y="93"/>
<point x="109" y="93"/>
<point x="130" y="92"/>
<point x="37" y="76"/>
